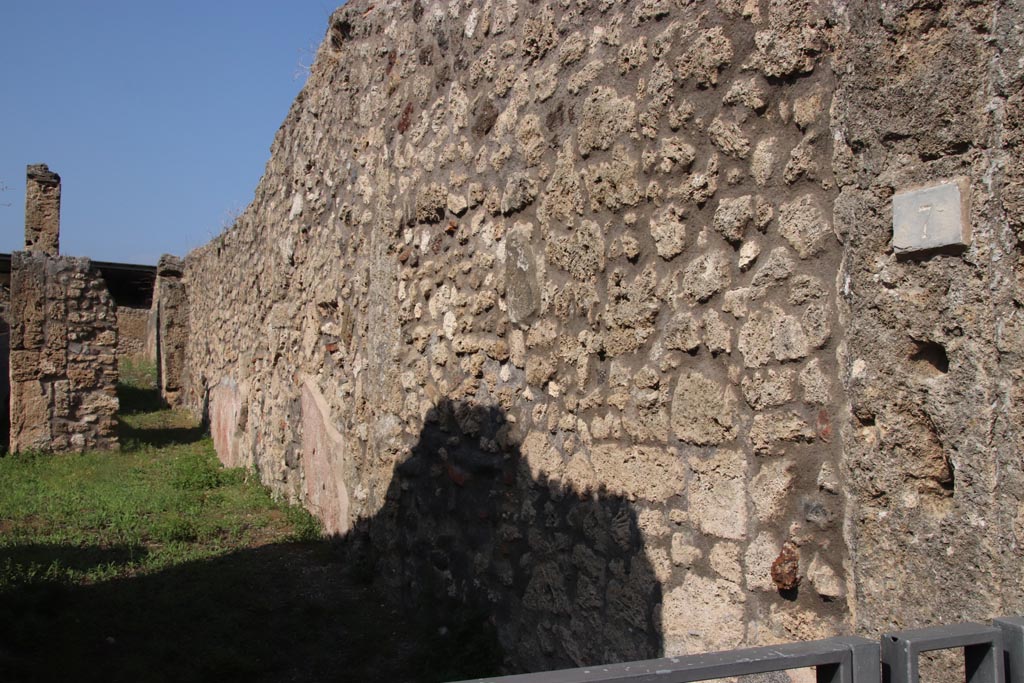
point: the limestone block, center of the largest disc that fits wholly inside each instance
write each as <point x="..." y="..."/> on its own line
<point x="804" y="288"/>
<point x="562" y="199"/>
<point x="520" y="191"/>
<point x="30" y="416"/>
<point x="703" y="411"/>
<point x="613" y="184"/>
<point x="717" y="336"/>
<point x="790" y="42"/>
<point x="604" y="117"/>
<point x="702" y="615"/>
<point x="733" y="216"/>
<point x="816" y="324"/>
<point x="708" y="52"/>
<point x="763" y="160"/>
<point x="767" y="389"/>
<point x="725" y="560"/>
<point x="651" y="522"/>
<point x="582" y="254"/>
<point x="770" y="488"/>
<point x="675" y="155"/>
<point x="769" y="429"/>
<point x="748" y="92"/>
<point x="683" y="553"/>
<point x="771" y="333"/>
<point x="706" y="275"/>
<point x="757" y="561"/>
<point x="543" y="459"/>
<point x="682" y="333"/>
<point x="650" y="473"/>
<point x="669" y="232"/>
<point x="803" y="224"/>
<point x="717" y="494"/>
<point x="825" y="580"/>
<point x="776" y="269"/>
<point x="816" y="385"/>
<point x="457" y="203"/>
<point x="729" y="138"/>
<point x="522" y="289"/>
<point x="748" y="255"/>
<point x="42" y="210"/>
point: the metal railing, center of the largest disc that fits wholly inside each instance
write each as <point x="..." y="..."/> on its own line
<point x="992" y="654"/>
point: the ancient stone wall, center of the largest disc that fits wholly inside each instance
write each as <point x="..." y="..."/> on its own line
<point x="587" y="313"/>
<point x="63" y="366"/>
<point x="133" y="331"/>
<point x="5" y="372"/>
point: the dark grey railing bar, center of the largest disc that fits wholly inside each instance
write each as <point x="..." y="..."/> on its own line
<point x="982" y="646"/>
<point x="838" y="660"/>
<point x="1013" y="647"/>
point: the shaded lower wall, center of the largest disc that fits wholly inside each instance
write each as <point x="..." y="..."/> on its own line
<point x="63" y="365"/>
<point x="636" y="256"/>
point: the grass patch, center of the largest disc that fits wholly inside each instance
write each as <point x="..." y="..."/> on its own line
<point x="132" y="512"/>
<point x="157" y="564"/>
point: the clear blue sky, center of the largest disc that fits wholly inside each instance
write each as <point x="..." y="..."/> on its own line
<point x="158" y="116"/>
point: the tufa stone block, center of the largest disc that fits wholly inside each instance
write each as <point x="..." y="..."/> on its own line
<point x="932" y="217"/>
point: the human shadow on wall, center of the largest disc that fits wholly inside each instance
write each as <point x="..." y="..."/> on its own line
<point x="472" y="568"/>
<point x="559" y="574"/>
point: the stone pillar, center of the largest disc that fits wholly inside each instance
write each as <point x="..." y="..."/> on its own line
<point x="171" y="304"/>
<point x="42" y="210"/>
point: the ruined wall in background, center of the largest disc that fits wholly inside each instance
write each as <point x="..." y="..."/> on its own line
<point x="519" y="274"/>
<point x="169" y="320"/>
<point x="63" y="364"/>
<point x="133" y="331"/>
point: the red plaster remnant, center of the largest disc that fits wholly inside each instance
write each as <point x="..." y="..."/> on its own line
<point x="786" y="567"/>
<point x="225" y="409"/>
<point x="824" y="426"/>
<point x="323" y="459"/>
<point x="406" y="119"/>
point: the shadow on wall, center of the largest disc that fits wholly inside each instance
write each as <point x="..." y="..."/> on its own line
<point x="471" y="568"/>
<point x="561" y="575"/>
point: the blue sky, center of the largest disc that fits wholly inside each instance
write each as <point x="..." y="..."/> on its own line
<point x="158" y="116"/>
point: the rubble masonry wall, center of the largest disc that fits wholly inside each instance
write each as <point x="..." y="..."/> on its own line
<point x="531" y="272"/>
